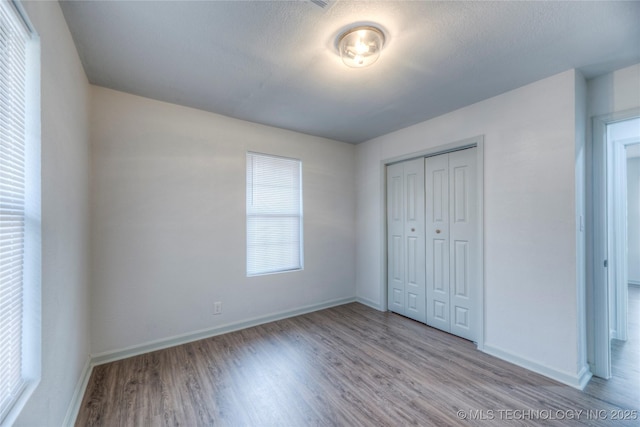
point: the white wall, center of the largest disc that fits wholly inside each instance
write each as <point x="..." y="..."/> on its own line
<point x="168" y="224"/>
<point x="65" y="261"/>
<point x="580" y="126"/>
<point x="530" y="226"/>
<point x="633" y="219"/>
<point x="614" y="92"/>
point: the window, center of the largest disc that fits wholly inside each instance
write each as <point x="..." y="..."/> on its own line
<point x="19" y="211"/>
<point x="274" y="214"/>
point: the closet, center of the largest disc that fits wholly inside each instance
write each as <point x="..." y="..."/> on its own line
<point x="432" y="237"/>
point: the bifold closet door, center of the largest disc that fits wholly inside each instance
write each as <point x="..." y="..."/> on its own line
<point x="451" y="236"/>
<point x="405" y="239"/>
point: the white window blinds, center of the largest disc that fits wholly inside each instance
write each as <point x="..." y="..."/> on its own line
<point x="13" y="208"/>
<point x="274" y="214"/>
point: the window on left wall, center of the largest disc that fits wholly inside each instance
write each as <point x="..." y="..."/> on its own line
<point x="20" y="221"/>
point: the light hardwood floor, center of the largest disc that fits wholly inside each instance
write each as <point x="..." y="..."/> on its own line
<point x="347" y="366"/>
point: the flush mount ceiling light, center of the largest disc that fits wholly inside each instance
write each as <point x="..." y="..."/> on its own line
<point x="361" y="46"/>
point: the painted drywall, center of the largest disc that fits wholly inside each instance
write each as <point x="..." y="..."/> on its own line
<point x="614" y="92"/>
<point x="633" y="219"/>
<point x="65" y="215"/>
<point x="531" y="282"/>
<point x="168" y="221"/>
<point x="580" y="127"/>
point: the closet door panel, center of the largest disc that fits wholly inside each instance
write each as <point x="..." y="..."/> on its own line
<point x="405" y="237"/>
<point x="395" y="238"/>
<point x="437" y="236"/>
<point x="414" y="240"/>
<point x="463" y="238"/>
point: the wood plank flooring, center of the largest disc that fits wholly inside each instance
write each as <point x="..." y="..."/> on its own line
<point x="623" y="387"/>
<point x="345" y="366"/>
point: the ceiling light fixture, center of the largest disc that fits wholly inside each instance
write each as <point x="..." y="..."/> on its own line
<point x="360" y="46"/>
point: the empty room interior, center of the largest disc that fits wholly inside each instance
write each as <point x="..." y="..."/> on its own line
<point x="319" y="212"/>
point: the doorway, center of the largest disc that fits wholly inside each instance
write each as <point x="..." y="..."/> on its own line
<point x="615" y="141"/>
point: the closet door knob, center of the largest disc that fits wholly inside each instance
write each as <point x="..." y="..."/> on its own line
<point x="413" y="229"/>
<point x="437" y="231"/>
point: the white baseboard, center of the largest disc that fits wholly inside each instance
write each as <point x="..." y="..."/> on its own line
<point x="634" y="283"/>
<point x="370" y="303"/>
<point x="613" y="334"/>
<point x="578" y="380"/>
<point x="111" y="356"/>
<point x="78" y="394"/>
<point x="584" y="376"/>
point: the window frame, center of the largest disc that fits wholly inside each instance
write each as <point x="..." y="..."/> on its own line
<point x="30" y="324"/>
<point x="250" y="188"/>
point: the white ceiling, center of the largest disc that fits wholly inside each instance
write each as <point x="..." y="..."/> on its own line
<point x="275" y="62"/>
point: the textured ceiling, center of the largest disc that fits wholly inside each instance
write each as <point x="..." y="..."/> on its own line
<point x="276" y="63"/>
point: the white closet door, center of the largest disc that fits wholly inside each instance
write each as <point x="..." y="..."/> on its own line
<point x="414" y="240"/>
<point x="405" y="213"/>
<point x="463" y="255"/>
<point x="451" y="234"/>
<point x="395" y="237"/>
<point x="437" y="235"/>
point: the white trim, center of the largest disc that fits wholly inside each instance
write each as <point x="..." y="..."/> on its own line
<point x="617" y="196"/>
<point x="112" y="356"/>
<point x="480" y="228"/>
<point x="600" y="364"/>
<point x="19" y="404"/>
<point x="78" y="394"/>
<point x="370" y="303"/>
<point x="434" y="151"/>
<point x="634" y="283"/>
<point x="578" y="381"/>
<point x="384" y="300"/>
<point x="28" y="26"/>
<point x="478" y="142"/>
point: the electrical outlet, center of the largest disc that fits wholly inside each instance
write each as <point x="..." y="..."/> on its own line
<point x="217" y="307"/>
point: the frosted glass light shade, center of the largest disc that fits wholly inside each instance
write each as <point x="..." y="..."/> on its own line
<point x="361" y="46"/>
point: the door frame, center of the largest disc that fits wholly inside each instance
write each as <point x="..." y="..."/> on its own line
<point x="617" y="211"/>
<point x="598" y="323"/>
<point x="478" y="142"/>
